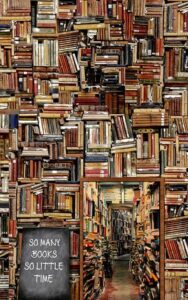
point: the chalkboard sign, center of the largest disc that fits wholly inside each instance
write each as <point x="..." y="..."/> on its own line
<point x="44" y="272"/>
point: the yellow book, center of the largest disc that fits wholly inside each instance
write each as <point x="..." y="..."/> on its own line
<point x="89" y="26"/>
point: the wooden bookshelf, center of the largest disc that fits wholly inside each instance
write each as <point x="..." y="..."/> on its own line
<point x="176" y="235"/>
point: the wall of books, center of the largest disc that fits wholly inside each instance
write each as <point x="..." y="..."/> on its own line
<point x="95" y="89"/>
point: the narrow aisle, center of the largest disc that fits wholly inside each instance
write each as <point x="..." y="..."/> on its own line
<point x="120" y="286"/>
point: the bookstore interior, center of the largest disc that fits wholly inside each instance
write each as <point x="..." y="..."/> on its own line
<point x="93" y="149"/>
<point x="118" y="248"/>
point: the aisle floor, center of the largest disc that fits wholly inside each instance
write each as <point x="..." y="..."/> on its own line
<point x="120" y="286"/>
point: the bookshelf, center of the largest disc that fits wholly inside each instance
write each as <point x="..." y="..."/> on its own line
<point x="176" y="237"/>
<point x="173" y="148"/>
<point x="121" y="230"/>
<point x="94" y="89"/>
<point x="145" y="253"/>
<point x="94" y="230"/>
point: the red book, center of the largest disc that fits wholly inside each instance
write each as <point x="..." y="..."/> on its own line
<point x="39" y="204"/>
<point x="168" y="249"/>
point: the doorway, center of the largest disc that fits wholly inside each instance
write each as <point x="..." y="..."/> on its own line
<point x="119" y="283"/>
<point x="120" y="246"/>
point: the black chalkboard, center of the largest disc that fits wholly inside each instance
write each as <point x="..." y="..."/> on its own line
<point x="44" y="270"/>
